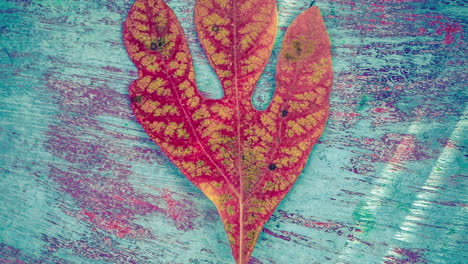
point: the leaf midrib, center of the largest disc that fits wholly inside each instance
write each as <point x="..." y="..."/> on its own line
<point x="240" y="198"/>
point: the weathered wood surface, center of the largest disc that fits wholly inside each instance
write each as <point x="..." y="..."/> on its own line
<point x="82" y="183"/>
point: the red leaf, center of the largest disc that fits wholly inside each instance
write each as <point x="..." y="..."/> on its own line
<point x="244" y="160"/>
<point x="238" y="37"/>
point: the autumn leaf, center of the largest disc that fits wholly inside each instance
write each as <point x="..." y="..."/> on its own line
<point x="244" y="160"/>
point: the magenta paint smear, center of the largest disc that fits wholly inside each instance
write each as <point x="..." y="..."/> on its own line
<point x="406" y="256"/>
<point x="97" y="183"/>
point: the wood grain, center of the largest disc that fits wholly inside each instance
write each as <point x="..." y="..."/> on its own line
<point x="82" y="183"/>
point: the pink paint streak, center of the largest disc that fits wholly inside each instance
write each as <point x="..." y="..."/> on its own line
<point x="406" y="256"/>
<point x="450" y="30"/>
<point x="92" y="176"/>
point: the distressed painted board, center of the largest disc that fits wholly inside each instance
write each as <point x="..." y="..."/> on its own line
<point x="81" y="182"/>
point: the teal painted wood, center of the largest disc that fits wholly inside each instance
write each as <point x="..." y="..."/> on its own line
<point x="82" y="183"/>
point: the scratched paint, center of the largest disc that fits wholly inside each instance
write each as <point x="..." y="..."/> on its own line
<point x="82" y="183"/>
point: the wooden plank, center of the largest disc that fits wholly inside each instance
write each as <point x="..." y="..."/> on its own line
<point x="82" y="183"/>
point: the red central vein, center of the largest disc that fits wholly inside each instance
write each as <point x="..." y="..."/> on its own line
<point x="239" y="163"/>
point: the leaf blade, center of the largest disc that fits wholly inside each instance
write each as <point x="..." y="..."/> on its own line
<point x="270" y="189"/>
<point x="295" y="120"/>
<point x="240" y="158"/>
<point x="165" y="99"/>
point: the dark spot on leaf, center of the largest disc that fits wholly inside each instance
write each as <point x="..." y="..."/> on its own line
<point x="284" y="113"/>
<point x="156" y="45"/>
<point x="160" y="43"/>
<point x="153" y="46"/>
<point x="298" y="50"/>
<point x="272" y="166"/>
<point x="289" y="56"/>
<point x="137" y="99"/>
<point x="297" y="47"/>
<point x="215" y="28"/>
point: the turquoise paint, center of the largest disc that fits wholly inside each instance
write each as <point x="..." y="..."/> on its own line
<point x="396" y="175"/>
